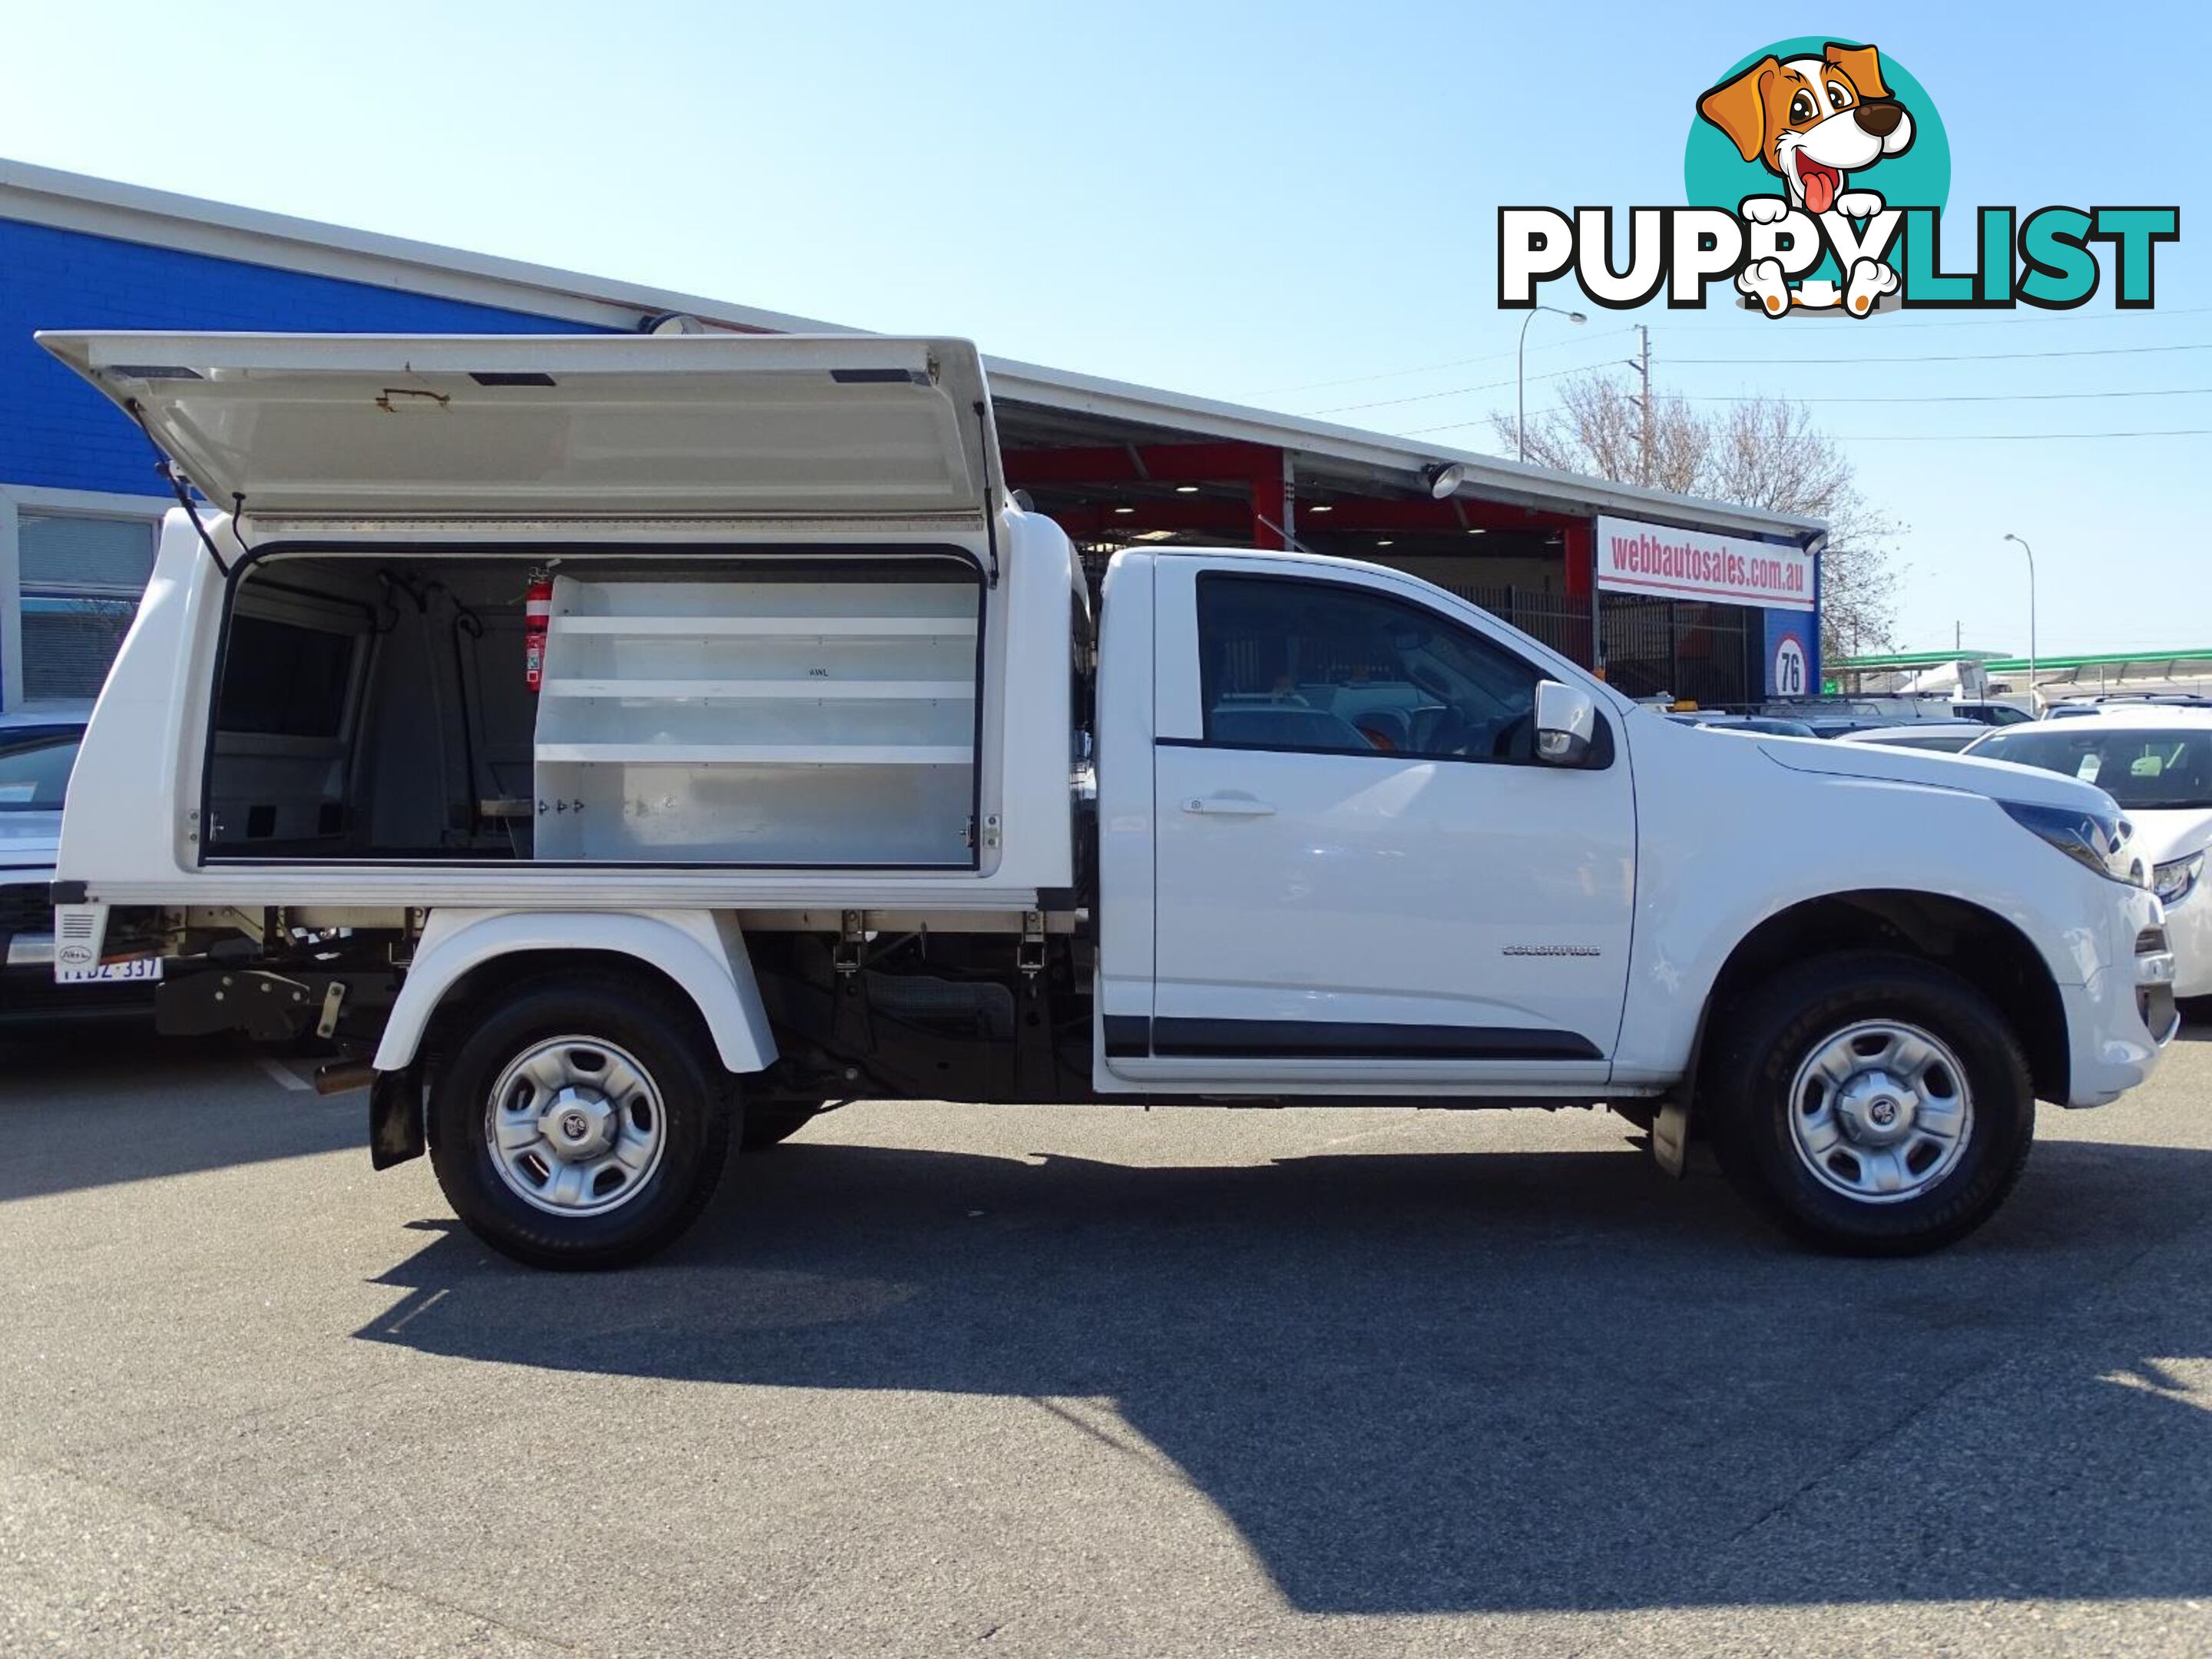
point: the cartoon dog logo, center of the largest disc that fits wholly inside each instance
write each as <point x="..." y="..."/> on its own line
<point x="1813" y="122"/>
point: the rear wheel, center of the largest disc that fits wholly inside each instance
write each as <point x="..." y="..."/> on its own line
<point x="1872" y="1103"/>
<point x="582" y="1124"/>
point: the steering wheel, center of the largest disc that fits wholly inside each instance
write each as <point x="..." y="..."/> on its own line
<point x="1513" y="741"/>
<point x="1427" y="676"/>
<point x="1437" y="729"/>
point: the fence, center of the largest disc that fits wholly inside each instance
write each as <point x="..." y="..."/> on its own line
<point x="1698" y="652"/>
<point x="1564" y="624"/>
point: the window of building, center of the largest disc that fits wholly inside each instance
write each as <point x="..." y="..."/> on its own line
<point x="81" y="578"/>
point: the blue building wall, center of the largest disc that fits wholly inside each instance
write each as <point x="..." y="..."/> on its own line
<point x="58" y="432"/>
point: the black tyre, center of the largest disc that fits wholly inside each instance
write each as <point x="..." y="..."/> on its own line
<point x="584" y="1123"/>
<point x="1872" y="1103"/>
<point x="771" y="1122"/>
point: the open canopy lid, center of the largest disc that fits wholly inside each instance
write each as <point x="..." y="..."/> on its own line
<point x="813" y="426"/>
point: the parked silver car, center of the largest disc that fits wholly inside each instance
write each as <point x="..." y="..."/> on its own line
<point x="37" y="752"/>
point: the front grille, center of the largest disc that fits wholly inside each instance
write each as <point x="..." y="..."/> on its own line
<point x="2150" y="941"/>
<point x="24" y="909"/>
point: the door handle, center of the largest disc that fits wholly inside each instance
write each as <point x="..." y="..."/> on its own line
<point x="1229" y="806"/>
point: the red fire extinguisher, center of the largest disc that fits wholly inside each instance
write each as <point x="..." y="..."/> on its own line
<point x="536" y="616"/>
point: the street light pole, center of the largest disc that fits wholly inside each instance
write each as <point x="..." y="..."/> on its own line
<point x="2030" y="551"/>
<point x="1521" y="379"/>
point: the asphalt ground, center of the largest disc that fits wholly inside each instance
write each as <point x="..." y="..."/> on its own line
<point x="1021" y="1381"/>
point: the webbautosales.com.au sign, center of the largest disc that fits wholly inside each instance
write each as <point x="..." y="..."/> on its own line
<point x="1688" y="564"/>
<point x="1815" y="173"/>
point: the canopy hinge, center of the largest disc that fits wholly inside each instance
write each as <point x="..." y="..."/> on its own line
<point x="845" y="955"/>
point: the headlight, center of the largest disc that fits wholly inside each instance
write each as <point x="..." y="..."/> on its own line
<point x="2174" y="882"/>
<point x="2095" y="840"/>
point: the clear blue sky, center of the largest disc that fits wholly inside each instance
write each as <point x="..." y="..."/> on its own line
<point x="1239" y="201"/>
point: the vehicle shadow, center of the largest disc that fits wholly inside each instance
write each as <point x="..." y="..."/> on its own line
<point x="1447" y="1383"/>
<point x="88" y="1103"/>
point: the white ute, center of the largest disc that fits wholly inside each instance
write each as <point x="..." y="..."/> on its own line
<point x="828" y="790"/>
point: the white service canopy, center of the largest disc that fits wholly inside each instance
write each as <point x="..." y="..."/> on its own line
<point x="720" y="425"/>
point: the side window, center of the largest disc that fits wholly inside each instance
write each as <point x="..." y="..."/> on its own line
<point x="1313" y="665"/>
<point x="284" y="681"/>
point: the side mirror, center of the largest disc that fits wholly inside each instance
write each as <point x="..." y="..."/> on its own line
<point x="1566" y="723"/>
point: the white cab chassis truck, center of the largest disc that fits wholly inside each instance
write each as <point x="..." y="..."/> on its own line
<point x="626" y="748"/>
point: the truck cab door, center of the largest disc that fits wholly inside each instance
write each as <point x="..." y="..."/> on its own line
<point x="1364" y="876"/>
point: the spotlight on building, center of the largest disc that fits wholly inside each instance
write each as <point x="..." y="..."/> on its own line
<point x="1445" y="481"/>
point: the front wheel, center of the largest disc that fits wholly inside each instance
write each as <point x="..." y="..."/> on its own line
<point x="1873" y="1103"/>
<point x="582" y="1124"/>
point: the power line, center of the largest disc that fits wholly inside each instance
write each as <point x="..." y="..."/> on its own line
<point x="1432" y="368"/>
<point x="1925" y="437"/>
<point x="1457" y="426"/>
<point x="1906" y="397"/>
<point x="2009" y="437"/>
<point x="2009" y="319"/>
<point x="1764" y="362"/>
<point x="1898" y="437"/>
<point x="1947" y="397"/>
<point x="1455" y="391"/>
<point x="1958" y="357"/>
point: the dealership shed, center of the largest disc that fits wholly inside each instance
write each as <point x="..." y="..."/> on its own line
<point x="1705" y="600"/>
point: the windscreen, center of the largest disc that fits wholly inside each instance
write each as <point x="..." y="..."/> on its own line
<point x="2144" y="771"/>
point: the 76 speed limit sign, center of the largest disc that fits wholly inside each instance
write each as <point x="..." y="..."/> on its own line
<point x="1788" y="674"/>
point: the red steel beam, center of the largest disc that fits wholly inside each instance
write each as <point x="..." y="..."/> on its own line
<point x="1439" y="517"/>
<point x="1231" y="521"/>
<point x="1580" y="540"/>
<point x="1120" y="464"/>
<point x="1346" y="515"/>
<point x="1256" y="471"/>
<point x="1268" y="492"/>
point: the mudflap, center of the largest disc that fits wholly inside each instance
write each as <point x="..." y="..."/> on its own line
<point x="395" y="1117"/>
<point x="1670" y="1136"/>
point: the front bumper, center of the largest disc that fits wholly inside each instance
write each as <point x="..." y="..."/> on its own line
<point x="2189" y="931"/>
<point x="2120" y="1020"/>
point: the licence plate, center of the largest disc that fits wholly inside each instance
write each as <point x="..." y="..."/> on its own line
<point x="136" y="967"/>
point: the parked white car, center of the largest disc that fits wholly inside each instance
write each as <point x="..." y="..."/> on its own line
<point x="1945" y="737"/>
<point x="2156" y="761"/>
<point x="1748" y="725"/>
